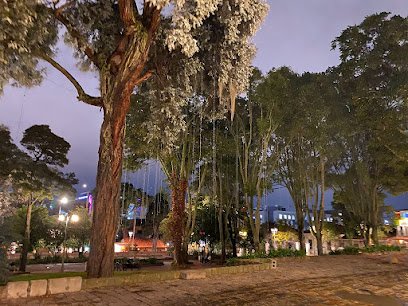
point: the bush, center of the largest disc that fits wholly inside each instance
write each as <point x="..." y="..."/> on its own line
<point x="286" y="253"/>
<point x="151" y="261"/>
<point x="346" y="251"/>
<point x="370" y="249"/>
<point x="277" y="253"/>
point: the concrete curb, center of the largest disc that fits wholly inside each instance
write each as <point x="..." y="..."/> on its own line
<point x="35" y="288"/>
<point x="41" y="287"/>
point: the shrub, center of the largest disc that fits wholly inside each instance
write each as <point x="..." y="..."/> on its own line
<point x="277" y="253"/>
<point x="151" y="261"/>
<point x="286" y="253"/>
<point x="346" y="251"/>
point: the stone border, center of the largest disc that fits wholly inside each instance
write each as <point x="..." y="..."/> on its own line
<point x="24" y="289"/>
<point x="40" y="287"/>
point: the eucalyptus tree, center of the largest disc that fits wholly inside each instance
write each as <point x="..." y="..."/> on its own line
<point x="114" y="38"/>
<point x="321" y="124"/>
<point x="182" y="162"/>
<point x="258" y="117"/>
<point x="372" y="78"/>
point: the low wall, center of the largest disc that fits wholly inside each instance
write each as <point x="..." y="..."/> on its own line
<point x="32" y="288"/>
<point x="24" y="289"/>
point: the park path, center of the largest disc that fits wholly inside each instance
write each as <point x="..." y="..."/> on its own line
<point x="328" y="280"/>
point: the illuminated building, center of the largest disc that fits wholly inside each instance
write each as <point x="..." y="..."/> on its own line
<point x="401" y="222"/>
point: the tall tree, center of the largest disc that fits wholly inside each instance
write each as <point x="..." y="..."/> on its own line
<point x="40" y="179"/>
<point x="114" y="38"/>
<point x="372" y="78"/>
<point x="258" y="118"/>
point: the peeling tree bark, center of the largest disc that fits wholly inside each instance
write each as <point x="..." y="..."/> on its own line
<point x="178" y="199"/>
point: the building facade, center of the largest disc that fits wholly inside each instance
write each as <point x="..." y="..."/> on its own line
<point x="401" y="222"/>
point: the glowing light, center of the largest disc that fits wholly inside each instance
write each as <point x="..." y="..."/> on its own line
<point x="84" y="185"/>
<point x="61" y="218"/>
<point x="74" y="218"/>
<point x="64" y="200"/>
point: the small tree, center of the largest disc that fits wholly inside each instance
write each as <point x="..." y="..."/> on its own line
<point x="40" y="179"/>
<point x="81" y="230"/>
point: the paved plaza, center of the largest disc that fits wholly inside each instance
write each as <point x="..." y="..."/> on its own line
<point x="330" y="280"/>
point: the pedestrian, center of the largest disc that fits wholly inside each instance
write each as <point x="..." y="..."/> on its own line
<point x="200" y="250"/>
<point x="203" y="254"/>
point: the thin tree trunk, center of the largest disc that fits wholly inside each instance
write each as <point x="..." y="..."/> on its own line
<point x="26" y="239"/>
<point x="232" y="229"/>
<point x="258" y="217"/>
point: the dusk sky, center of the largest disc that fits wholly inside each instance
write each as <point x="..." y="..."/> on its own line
<point x="296" y="33"/>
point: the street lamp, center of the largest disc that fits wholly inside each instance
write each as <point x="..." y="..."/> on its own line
<point x="274" y="231"/>
<point x="63" y="201"/>
<point x="62" y="218"/>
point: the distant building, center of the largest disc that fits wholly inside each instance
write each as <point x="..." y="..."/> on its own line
<point x="278" y="213"/>
<point x="401" y="222"/>
<point x="85" y="199"/>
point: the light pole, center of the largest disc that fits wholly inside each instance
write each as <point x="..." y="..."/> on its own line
<point x="63" y="201"/>
<point x="274" y="231"/>
<point x="62" y="218"/>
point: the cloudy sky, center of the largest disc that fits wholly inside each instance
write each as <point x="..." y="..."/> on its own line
<point x="296" y="33"/>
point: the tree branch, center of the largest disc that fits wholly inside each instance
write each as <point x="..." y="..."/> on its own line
<point x="82" y="96"/>
<point x="128" y="14"/>
<point x="144" y="77"/>
<point x="81" y="41"/>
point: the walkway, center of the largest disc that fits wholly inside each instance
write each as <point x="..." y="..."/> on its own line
<point x="329" y="280"/>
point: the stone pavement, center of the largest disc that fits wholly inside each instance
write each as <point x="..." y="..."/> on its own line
<point x="328" y="280"/>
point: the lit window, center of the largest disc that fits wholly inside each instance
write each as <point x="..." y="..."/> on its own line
<point x="280" y="216"/>
<point x="285" y="216"/>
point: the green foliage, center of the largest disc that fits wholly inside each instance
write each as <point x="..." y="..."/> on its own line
<point x="371" y="249"/>
<point x="151" y="261"/>
<point x="44" y="146"/>
<point x="346" y="251"/>
<point x="80" y="230"/>
<point x="277" y="253"/>
<point x="41" y="223"/>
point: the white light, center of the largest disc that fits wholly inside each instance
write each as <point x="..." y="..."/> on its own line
<point x="74" y="218"/>
<point x="61" y="218"/>
<point x="84" y="185"/>
<point x="64" y="200"/>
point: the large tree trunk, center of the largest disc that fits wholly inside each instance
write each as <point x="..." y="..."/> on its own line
<point x="319" y="240"/>
<point x="300" y="225"/>
<point x="178" y="199"/>
<point x="26" y="239"/>
<point x="106" y="207"/>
